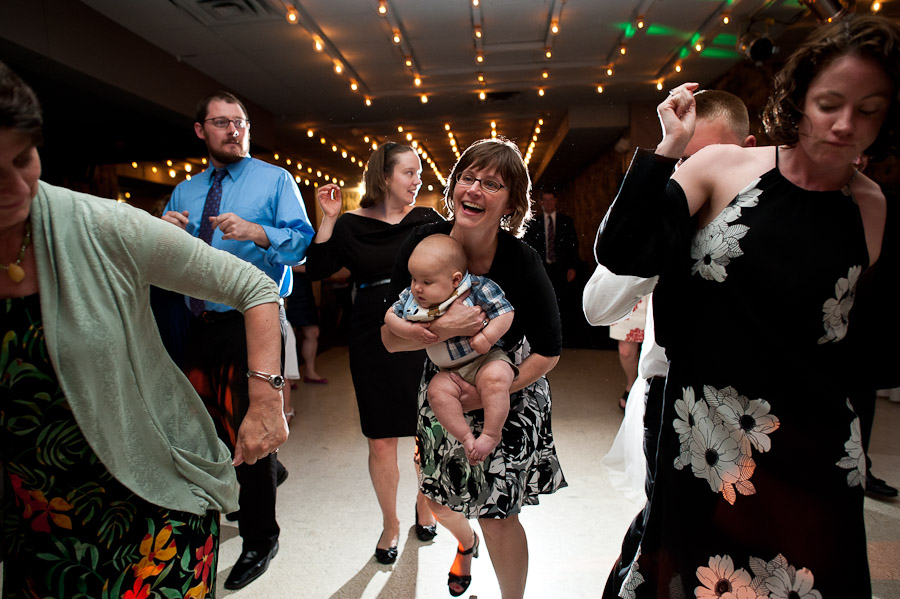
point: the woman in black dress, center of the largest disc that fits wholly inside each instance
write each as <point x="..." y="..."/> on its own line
<point x="365" y="241"/>
<point x="489" y="197"/>
<point x="759" y="251"/>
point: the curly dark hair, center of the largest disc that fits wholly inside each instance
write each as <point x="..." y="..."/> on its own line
<point x="505" y="156"/>
<point x="19" y="106"/>
<point x="866" y="36"/>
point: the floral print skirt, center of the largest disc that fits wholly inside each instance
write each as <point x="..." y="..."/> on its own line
<point x="523" y="466"/>
<point x="70" y="530"/>
<point x="757" y="495"/>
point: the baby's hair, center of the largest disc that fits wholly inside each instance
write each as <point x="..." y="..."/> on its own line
<point x="444" y="250"/>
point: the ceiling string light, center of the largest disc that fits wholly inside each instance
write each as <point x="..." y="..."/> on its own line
<point x="322" y="44"/>
<point x="477" y="32"/>
<point x="638" y="22"/>
<point x="400" y="40"/>
<point x="291" y="14"/>
<point x="163" y="172"/>
<point x="533" y="143"/>
<point x="697" y="43"/>
<point x="336" y="148"/>
<point x="453" y="145"/>
<point x="552" y="31"/>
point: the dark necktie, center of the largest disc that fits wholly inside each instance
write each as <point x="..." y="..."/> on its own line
<point x="551" y="241"/>
<point x="210" y="208"/>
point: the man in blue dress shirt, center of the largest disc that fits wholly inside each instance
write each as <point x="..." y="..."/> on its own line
<point x="253" y="210"/>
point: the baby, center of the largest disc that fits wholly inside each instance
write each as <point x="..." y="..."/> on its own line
<point x="437" y="265"/>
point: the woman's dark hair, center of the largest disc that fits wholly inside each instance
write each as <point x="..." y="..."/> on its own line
<point x="381" y="166"/>
<point x="866" y="36"/>
<point x="503" y="155"/>
<point x="203" y="105"/>
<point x="19" y="106"/>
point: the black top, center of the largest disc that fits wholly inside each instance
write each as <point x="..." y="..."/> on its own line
<point x="385" y="383"/>
<point x="366" y="246"/>
<point x="518" y="270"/>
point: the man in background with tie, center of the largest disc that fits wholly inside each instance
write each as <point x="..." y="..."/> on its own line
<point x="554" y="238"/>
<point x="253" y="210"/>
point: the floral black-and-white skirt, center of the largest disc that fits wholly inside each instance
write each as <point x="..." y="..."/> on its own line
<point x="757" y="495"/>
<point x="523" y="466"/>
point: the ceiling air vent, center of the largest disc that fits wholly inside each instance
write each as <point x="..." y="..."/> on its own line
<point x="228" y="12"/>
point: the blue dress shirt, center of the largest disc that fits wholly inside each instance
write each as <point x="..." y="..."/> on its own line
<point x="260" y="193"/>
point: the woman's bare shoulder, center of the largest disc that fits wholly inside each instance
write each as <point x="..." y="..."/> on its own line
<point x="730" y="154"/>
<point x="867" y="190"/>
<point x="872" y="210"/>
<point x="716" y="173"/>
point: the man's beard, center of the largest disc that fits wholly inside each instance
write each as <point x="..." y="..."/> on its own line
<point x="229" y="158"/>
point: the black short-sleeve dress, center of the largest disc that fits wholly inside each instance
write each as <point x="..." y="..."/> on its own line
<point x="385" y="383"/>
<point x="524" y="465"/>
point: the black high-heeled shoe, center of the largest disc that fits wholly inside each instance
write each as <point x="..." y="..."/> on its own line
<point x="426" y="532"/>
<point x="386" y="556"/>
<point x="462" y="581"/>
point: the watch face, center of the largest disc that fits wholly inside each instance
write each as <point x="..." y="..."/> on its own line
<point x="277" y="381"/>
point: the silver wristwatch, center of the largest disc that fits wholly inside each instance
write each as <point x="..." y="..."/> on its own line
<point x="276" y="380"/>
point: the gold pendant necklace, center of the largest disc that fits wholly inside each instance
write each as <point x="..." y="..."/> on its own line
<point x="13" y="270"/>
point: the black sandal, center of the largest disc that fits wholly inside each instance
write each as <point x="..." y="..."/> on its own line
<point x="463" y="581"/>
<point x="425" y="532"/>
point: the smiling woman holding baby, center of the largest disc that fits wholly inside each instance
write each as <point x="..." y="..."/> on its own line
<point x="488" y="198"/>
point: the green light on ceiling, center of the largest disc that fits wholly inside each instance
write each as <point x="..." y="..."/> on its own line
<point x="627" y="28"/>
<point x="710" y="52"/>
<point x="725" y="39"/>
<point x="659" y="30"/>
<point x="694" y="38"/>
<point x="684" y="53"/>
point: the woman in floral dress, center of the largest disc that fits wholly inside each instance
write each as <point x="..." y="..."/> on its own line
<point x="759" y="250"/>
<point x="115" y="477"/>
<point x="489" y="198"/>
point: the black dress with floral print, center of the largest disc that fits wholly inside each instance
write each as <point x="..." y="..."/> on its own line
<point x="70" y="530"/>
<point x="760" y="465"/>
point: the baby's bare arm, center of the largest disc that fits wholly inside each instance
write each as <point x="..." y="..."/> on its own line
<point x="491" y="334"/>
<point x="414" y="331"/>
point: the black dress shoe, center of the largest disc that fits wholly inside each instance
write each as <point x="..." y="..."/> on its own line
<point x="878" y="488"/>
<point x="426" y="532"/>
<point x="386" y="556"/>
<point x="249" y="566"/>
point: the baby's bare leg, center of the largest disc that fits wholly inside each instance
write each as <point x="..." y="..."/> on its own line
<point x="493" y="382"/>
<point x="443" y="396"/>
